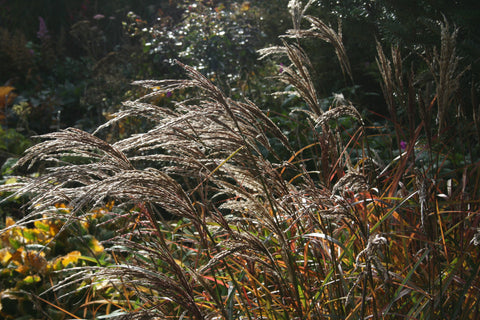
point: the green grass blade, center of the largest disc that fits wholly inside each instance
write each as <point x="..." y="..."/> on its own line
<point x="405" y="280"/>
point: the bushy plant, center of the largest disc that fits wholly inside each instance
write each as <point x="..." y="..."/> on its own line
<point x="226" y="218"/>
<point x="220" y="39"/>
<point x="70" y="62"/>
<point x="32" y="257"/>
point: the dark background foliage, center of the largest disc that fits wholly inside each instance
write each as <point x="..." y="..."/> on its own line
<point x="72" y="64"/>
<point x="76" y="69"/>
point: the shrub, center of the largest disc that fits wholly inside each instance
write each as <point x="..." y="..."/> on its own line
<point x="225" y="219"/>
<point x="32" y="257"/>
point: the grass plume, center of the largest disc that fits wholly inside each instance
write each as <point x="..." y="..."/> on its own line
<point x="218" y="223"/>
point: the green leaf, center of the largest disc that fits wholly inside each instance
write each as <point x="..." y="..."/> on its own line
<point x="29" y="235"/>
<point x="14" y="243"/>
<point x="407" y="278"/>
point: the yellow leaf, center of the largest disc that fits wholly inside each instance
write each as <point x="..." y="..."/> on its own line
<point x="180" y="263"/>
<point x="54" y="229"/>
<point x="85" y="224"/>
<point x="95" y="246"/>
<point x="42" y="225"/>
<point x="11" y="180"/>
<point x="9" y="222"/>
<point x="55" y="265"/>
<point x="32" y="279"/>
<point x="245" y="6"/>
<point x="72" y="257"/>
<point x="5" y="256"/>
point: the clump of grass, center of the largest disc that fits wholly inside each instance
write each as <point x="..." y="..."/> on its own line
<point x="220" y="226"/>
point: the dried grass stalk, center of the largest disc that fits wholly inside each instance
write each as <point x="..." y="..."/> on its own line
<point x="444" y="67"/>
<point x="297" y="12"/>
<point x="297" y="74"/>
<point x="321" y="31"/>
<point x="337" y="112"/>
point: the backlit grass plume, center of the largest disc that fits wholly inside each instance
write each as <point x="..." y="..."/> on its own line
<point x="218" y="217"/>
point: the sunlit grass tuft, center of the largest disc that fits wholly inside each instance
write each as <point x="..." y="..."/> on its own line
<point x="214" y="222"/>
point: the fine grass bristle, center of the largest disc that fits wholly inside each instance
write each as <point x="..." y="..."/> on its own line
<point x="220" y="215"/>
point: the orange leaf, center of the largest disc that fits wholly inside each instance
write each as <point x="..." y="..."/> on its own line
<point x="6" y="96"/>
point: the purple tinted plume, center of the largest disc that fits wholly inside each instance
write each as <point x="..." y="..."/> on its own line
<point x="42" y="29"/>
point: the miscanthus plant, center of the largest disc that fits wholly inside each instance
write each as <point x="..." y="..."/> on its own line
<point x="224" y="219"/>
